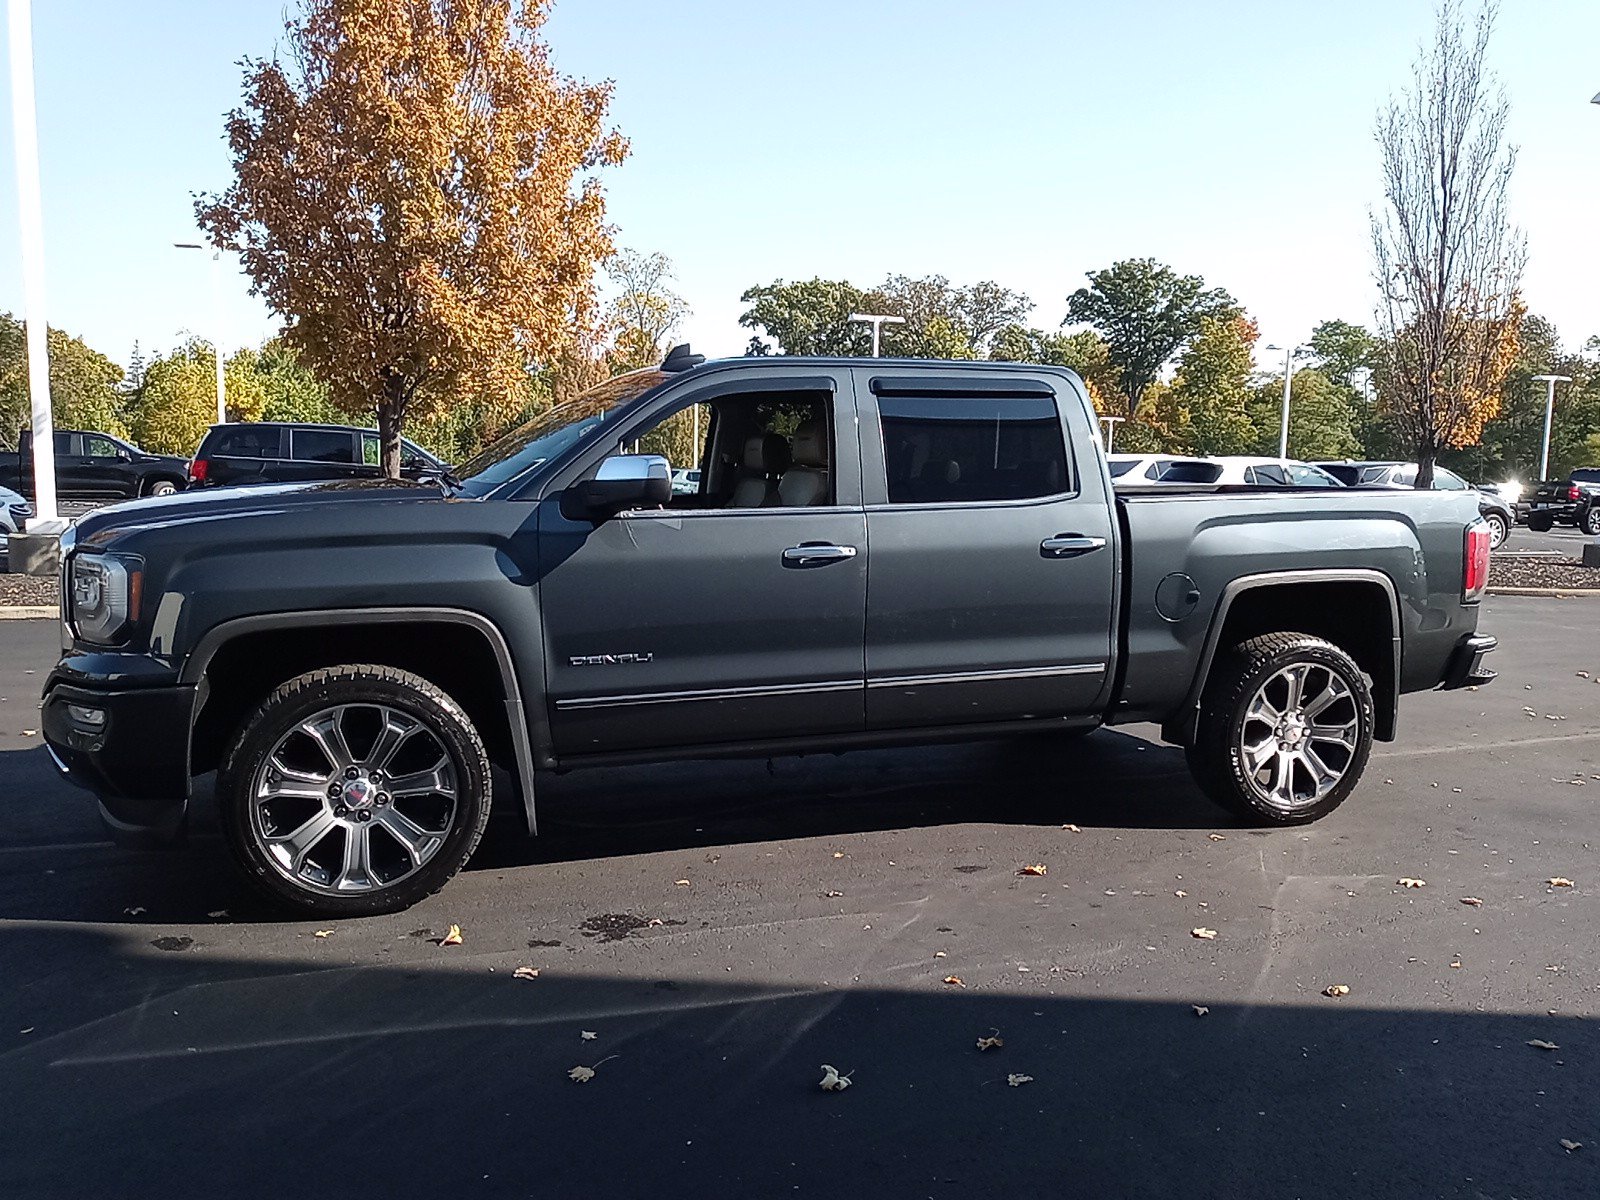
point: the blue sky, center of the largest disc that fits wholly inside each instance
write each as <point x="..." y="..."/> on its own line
<point x="1025" y="141"/>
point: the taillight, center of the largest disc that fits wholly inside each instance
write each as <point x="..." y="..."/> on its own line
<point x="1574" y="493"/>
<point x="1475" y="571"/>
<point x="197" y="470"/>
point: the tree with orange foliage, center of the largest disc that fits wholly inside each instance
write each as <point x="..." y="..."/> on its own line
<point x="415" y="192"/>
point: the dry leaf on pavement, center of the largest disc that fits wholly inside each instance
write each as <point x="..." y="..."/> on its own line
<point x="838" y="853"/>
<point x="1018" y="1080"/>
<point x="832" y="895"/>
<point x="953" y="981"/>
<point x="581" y="1074"/>
<point x="525" y="973"/>
<point x="1559" y="881"/>
<point x="1569" y="1146"/>
<point x="135" y="910"/>
<point x="322" y="933"/>
<point x="940" y="954"/>
<point x="993" y="1042"/>
<point x="832" y="1081"/>
<point x="680" y="883"/>
<point x="1203" y="933"/>
<point x="1200" y="1010"/>
<point x="1472" y="900"/>
<point x="1180" y="893"/>
<point x="1032" y="869"/>
<point x="1336" y="990"/>
<point x="1412" y="883"/>
<point x="587" y="1035"/>
<point x="452" y="936"/>
<point x="1540" y="1044"/>
<point x="1217" y="837"/>
<point x="1072" y="828"/>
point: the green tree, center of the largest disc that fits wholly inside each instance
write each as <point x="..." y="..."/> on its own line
<point x="806" y="317"/>
<point x="1342" y="349"/>
<point x="290" y="390"/>
<point x="177" y="401"/>
<point x="84" y="384"/>
<point x="1322" y="419"/>
<point x="943" y="320"/>
<point x="1146" y="313"/>
<point x="1210" y="394"/>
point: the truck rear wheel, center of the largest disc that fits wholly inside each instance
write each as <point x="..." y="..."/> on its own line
<point x="354" y="790"/>
<point x="1285" y="729"/>
<point x="1540" y="522"/>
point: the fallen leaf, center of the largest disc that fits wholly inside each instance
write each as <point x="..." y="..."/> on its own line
<point x="680" y="883"/>
<point x="1336" y="990"/>
<point x="1018" y="1080"/>
<point x="1559" y="881"/>
<point x="1539" y="1044"/>
<point x="135" y="910"/>
<point x="1180" y="893"/>
<point x="838" y="853"/>
<point x="1216" y="837"/>
<point x="1472" y="900"/>
<point x="218" y="915"/>
<point x="1072" y="828"/>
<point x="993" y="1042"/>
<point x="832" y="1081"/>
<point x="452" y="937"/>
<point x="587" y="1035"/>
<point x="525" y="973"/>
<point x="1203" y="933"/>
<point x="1032" y="869"/>
<point x="1200" y="1010"/>
<point x="953" y="981"/>
<point x="581" y="1074"/>
<point x="833" y="895"/>
<point x="1455" y="966"/>
<point x="653" y="922"/>
<point x="1569" y="1146"/>
<point x="1412" y="883"/>
<point x="940" y="954"/>
<point x="29" y="732"/>
<point x="323" y="933"/>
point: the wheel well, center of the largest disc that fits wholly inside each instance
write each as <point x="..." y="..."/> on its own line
<point x="1355" y="616"/>
<point x="150" y="482"/>
<point x="456" y="658"/>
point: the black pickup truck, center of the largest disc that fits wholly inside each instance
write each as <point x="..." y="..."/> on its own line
<point x="1574" y="500"/>
<point x="877" y="551"/>
<point x="96" y="466"/>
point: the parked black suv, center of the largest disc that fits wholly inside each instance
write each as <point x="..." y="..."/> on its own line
<point x="1491" y="507"/>
<point x="95" y="465"/>
<point x="274" y="452"/>
<point x="1571" y="501"/>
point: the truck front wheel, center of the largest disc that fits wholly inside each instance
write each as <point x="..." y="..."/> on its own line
<point x="1285" y="729"/>
<point x="354" y="790"/>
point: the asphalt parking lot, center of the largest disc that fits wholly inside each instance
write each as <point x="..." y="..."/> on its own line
<point x="723" y="929"/>
<point x="1561" y="539"/>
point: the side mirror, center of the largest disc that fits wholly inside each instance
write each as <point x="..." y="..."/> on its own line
<point x="124" y="456"/>
<point x="623" y="481"/>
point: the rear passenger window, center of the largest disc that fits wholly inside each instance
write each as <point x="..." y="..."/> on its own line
<point x="966" y="449"/>
<point x="248" y="441"/>
<point x="321" y="445"/>
<point x="1267" y="475"/>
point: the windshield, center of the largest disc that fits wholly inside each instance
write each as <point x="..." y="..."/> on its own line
<point x="552" y="431"/>
<point x="1305" y="475"/>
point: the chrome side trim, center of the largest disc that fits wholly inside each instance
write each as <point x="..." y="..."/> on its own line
<point x="1191" y="706"/>
<point x="194" y="667"/>
<point x="896" y="681"/>
<point x="780" y="689"/>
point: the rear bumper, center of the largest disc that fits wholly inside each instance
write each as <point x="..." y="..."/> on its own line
<point x="1465" y="668"/>
<point x="135" y="758"/>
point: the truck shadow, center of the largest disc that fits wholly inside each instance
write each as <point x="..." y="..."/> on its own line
<point x="249" y="1076"/>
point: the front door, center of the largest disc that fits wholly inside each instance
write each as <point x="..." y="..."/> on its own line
<point x="737" y="613"/>
<point x="993" y="573"/>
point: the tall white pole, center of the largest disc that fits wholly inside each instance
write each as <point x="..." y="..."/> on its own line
<point x="30" y="211"/>
<point x="1283" y="424"/>
<point x="1550" y="382"/>
<point x="877" y="321"/>
<point x="216" y="339"/>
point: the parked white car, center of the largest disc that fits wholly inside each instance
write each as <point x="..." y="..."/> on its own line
<point x="14" y="511"/>
<point x="1271" y="472"/>
<point x="1144" y="470"/>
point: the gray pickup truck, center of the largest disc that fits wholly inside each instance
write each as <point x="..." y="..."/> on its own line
<point x="877" y="551"/>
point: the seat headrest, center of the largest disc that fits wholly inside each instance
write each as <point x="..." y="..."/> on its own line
<point x="810" y="448"/>
<point x="766" y="454"/>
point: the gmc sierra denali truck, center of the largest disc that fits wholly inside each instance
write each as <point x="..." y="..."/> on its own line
<point x="876" y="551"/>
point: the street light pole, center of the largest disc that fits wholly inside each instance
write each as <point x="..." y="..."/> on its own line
<point x="877" y="321"/>
<point x="1289" y="355"/>
<point x="30" y="214"/>
<point x="1550" y="382"/>
<point x="216" y="315"/>
<point x="1111" y="424"/>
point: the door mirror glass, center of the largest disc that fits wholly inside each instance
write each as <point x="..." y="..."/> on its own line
<point x="623" y="481"/>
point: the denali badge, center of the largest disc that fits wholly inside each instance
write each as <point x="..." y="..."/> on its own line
<point x="606" y="660"/>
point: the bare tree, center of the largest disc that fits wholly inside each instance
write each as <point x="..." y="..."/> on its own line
<point x="1448" y="260"/>
<point x="646" y="310"/>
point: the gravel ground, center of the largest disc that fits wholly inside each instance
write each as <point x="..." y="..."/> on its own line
<point x="27" y="589"/>
<point x="1542" y="573"/>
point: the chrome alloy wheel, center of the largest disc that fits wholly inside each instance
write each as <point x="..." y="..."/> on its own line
<point x="1299" y="736"/>
<point x="353" y="799"/>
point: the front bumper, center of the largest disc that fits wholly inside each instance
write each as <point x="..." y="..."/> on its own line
<point x="1465" y="668"/>
<point x="134" y="758"/>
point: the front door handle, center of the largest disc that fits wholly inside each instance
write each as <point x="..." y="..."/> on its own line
<point x="1069" y="545"/>
<point x="814" y="554"/>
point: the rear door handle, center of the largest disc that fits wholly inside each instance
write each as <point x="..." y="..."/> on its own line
<point x="1069" y="545"/>
<point x="814" y="554"/>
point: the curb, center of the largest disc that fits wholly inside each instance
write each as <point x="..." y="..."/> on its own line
<point x="1556" y="593"/>
<point x="29" y="612"/>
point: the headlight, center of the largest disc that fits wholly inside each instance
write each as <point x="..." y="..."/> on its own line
<point x="104" y="597"/>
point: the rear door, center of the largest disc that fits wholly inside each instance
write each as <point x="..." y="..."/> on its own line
<point x="321" y="454"/>
<point x="992" y="582"/>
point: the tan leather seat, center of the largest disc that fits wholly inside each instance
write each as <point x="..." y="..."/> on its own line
<point x="806" y="483"/>
<point x="766" y="457"/>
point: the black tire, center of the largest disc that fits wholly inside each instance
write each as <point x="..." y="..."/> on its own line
<point x="161" y="487"/>
<point x="1244" y="675"/>
<point x="364" y="688"/>
<point x="1540" y="522"/>
<point x="1499" y="531"/>
<point x="1589" y="522"/>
